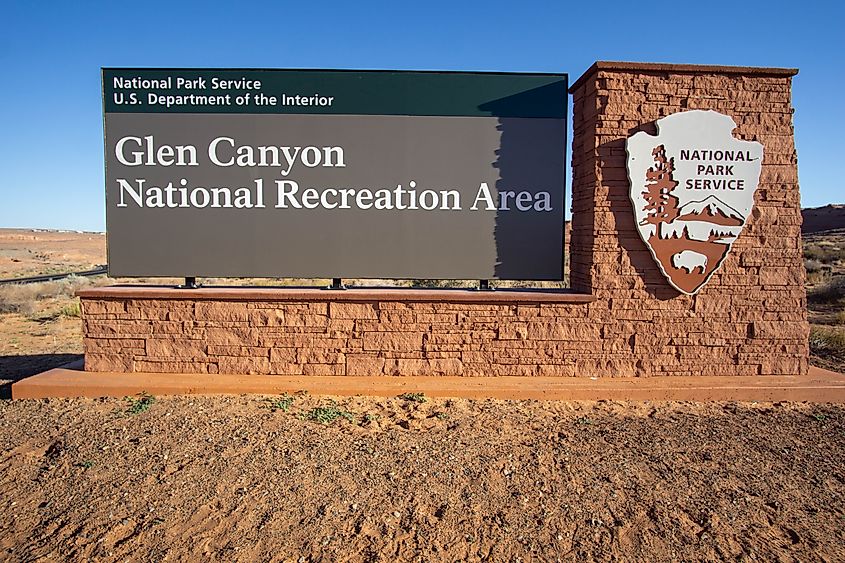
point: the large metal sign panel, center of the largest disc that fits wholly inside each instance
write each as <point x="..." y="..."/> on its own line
<point x="371" y="174"/>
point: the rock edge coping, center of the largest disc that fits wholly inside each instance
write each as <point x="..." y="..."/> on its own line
<point x="257" y="293"/>
<point x="672" y="68"/>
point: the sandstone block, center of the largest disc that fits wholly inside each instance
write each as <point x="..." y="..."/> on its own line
<point x="399" y="318"/>
<point x="120" y="363"/>
<point x="561" y="311"/>
<point x="244" y="365"/>
<point x="393" y="341"/>
<point x="781" y="276"/>
<point x="339" y="328"/>
<point x="224" y="350"/>
<point x="782" y="366"/>
<point x="606" y="368"/>
<point x="449" y="366"/>
<point x="128" y="346"/>
<point x="222" y="311"/>
<point x="320" y="356"/>
<point x="513" y="331"/>
<point x="116" y="328"/>
<point x="181" y="314"/>
<point x="148" y="313"/>
<point x="305" y="320"/>
<point x="317" y="308"/>
<point x="364" y="364"/>
<point x="723" y="369"/>
<point x="302" y="340"/>
<point x="266" y="317"/>
<point x="525" y="311"/>
<point x="176" y="349"/>
<point x="509" y="370"/>
<point x="145" y="366"/>
<point x="100" y="307"/>
<point x="556" y="370"/>
<point x="442" y="354"/>
<point x="282" y="355"/>
<point x="285" y="368"/>
<point x="711" y="303"/>
<point x="778" y="330"/>
<point x="564" y="331"/>
<point x="344" y="310"/>
<point x="323" y="369"/>
<point x="233" y="336"/>
<point x="168" y="327"/>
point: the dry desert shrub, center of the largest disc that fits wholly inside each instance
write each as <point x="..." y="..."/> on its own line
<point x="24" y="298"/>
<point x="826" y="252"/>
<point x="830" y="291"/>
<point x="72" y="309"/>
<point x="826" y="341"/>
<point x="813" y="266"/>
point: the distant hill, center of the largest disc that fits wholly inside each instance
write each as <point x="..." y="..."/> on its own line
<point x="827" y="218"/>
<point x="710" y="210"/>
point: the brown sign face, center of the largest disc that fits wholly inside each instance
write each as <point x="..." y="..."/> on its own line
<point x="250" y="173"/>
<point x="692" y="189"/>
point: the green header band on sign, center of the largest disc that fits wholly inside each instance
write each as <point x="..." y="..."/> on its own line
<point x="326" y="92"/>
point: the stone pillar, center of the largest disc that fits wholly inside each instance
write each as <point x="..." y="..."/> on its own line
<point x="753" y="310"/>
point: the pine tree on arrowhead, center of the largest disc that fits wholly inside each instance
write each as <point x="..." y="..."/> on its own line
<point x="661" y="206"/>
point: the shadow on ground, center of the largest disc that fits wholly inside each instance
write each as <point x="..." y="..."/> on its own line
<point x="15" y="368"/>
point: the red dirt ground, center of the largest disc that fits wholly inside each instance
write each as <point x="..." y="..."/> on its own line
<point x="228" y="479"/>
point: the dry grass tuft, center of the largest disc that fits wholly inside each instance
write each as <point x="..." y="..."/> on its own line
<point x="24" y="298"/>
<point x="813" y="266"/>
<point x="827" y="341"/>
<point x="829" y="291"/>
<point x="826" y="252"/>
<point x="72" y="309"/>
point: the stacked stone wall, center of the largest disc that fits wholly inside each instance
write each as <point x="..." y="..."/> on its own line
<point x="753" y="310"/>
<point x="344" y="338"/>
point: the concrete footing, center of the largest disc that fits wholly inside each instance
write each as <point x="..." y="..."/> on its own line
<point x="818" y="385"/>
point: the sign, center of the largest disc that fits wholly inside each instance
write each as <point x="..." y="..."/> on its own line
<point x="692" y="189"/>
<point x="354" y="174"/>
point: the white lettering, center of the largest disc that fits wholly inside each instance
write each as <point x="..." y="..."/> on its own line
<point x="543" y="201"/>
<point x="310" y="161"/>
<point x="483" y="194"/>
<point x="289" y="158"/>
<point x="212" y="151"/>
<point x="285" y="190"/>
<point x="360" y="198"/>
<point x="310" y="198"/>
<point x="127" y="187"/>
<point x="199" y="197"/>
<point x="121" y="156"/>
<point x="337" y="152"/>
<point x="324" y="200"/>
<point x="428" y="200"/>
<point x="523" y="201"/>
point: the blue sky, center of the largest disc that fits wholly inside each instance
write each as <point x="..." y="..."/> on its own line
<point x="51" y="144"/>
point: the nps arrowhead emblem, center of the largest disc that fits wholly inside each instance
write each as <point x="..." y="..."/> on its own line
<point x="692" y="188"/>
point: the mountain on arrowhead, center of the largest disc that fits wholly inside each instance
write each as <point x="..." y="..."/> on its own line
<point x="711" y="210"/>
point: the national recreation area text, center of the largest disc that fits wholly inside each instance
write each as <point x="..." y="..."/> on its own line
<point x="284" y="192"/>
